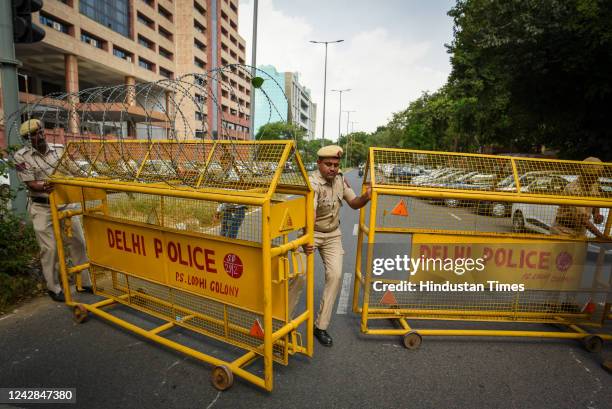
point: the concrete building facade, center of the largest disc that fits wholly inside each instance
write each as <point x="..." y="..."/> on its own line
<point x="283" y="98"/>
<point x="302" y="111"/>
<point x="93" y="43"/>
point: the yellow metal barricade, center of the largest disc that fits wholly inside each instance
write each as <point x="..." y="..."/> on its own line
<point x="200" y="235"/>
<point x="523" y="224"/>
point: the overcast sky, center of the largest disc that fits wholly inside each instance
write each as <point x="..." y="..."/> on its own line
<point x="393" y="50"/>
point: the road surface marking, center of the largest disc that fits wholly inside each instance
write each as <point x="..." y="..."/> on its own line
<point x="344" y="294"/>
<point x="355" y="228"/>
<point x="455" y="216"/>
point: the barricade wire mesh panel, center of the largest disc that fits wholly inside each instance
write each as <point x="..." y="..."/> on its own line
<point x="226" y="219"/>
<point x="291" y="175"/>
<point x="203" y="315"/>
<point x="137" y="207"/>
<point x="484" y="216"/>
<point x="541" y="305"/>
<point x="221" y="165"/>
<point x="481" y="173"/>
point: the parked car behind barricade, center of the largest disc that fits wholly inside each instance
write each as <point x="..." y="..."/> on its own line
<point x="503" y="209"/>
<point x="405" y="173"/>
<point x="540" y="218"/>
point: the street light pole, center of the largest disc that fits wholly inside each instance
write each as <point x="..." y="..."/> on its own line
<point x="348" y="115"/>
<point x="253" y="72"/>
<point x="324" y="82"/>
<point x="340" y="91"/>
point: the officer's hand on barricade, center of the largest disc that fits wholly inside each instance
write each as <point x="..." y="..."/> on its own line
<point x="308" y="249"/>
<point x="368" y="191"/>
<point x="598" y="218"/>
<point x="47" y="187"/>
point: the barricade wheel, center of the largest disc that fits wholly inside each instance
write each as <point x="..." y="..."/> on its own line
<point x="412" y="340"/>
<point x="79" y="313"/>
<point x="222" y="378"/>
<point x="592" y="343"/>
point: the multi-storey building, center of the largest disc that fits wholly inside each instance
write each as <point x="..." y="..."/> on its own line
<point x="283" y="98"/>
<point x="302" y="111"/>
<point x="93" y="43"/>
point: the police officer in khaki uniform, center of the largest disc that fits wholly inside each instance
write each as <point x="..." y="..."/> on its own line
<point x="34" y="165"/>
<point x="574" y="220"/>
<point x="330" y="188"/>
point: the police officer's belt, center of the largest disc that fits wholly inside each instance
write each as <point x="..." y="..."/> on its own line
<point x="328" y="230"/>
<point x="40" y="200"/>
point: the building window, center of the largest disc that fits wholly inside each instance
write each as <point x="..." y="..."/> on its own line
<point x="145" y="42"/>
<point x="199" y="8"/>
<point x="148" y="2"/>
<point x="199" y="45"/>
<point x="165" y="73"/>
<point x="54" y="23"/>
<point x="145" y="20"/>
<point x="165" y="13"/>
<point x="199" y="63"/>
<point x="92" y="40"/>
<point x="234" y="8"/>
<point x="199" y="134"/>
<point x="166" y="54"/>
<point x="125" y="55"/>
<point x="147" y="65"/>
<point x="200" y="99"/>
<point x="200" y="80"/>
<point x="114" y="14"/>
<point x="199" y="116"/>
<point x="165" y="33"/>
<point x="199" y="27"/>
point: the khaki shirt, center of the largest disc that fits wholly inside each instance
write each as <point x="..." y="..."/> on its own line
<point x="328" y="201"/>
<point x="32" y="165"/>
<point x="571" y="220"/>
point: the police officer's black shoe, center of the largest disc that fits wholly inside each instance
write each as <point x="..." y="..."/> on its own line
<point x="87" y="289"/>
<point x="324" y="338"/>
<point x="59" y="297"/>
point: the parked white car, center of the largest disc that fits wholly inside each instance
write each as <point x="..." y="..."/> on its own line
<point x="503" y="209"/>
<point x="540" y="218"/>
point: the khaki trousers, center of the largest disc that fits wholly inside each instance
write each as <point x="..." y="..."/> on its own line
<point x="331" y="251"/>
<point x="43" y="227"/>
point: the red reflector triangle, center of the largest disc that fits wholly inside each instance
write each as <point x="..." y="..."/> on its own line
<point x="388" y="299"/>
<point x="400" y="209"/>
<point x="256" y="330"/>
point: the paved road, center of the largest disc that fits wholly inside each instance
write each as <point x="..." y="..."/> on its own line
<point x="111" y="368"/>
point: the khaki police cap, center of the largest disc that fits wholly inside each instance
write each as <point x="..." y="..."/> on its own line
<point x="330" y="151"/>
<point x="29" y="127"/>
<point x="593" y="169"/>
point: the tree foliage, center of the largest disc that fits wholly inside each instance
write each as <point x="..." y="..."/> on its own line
<point x="525" y="74"/>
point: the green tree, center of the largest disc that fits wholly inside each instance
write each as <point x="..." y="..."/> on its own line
<point x="529" y="72"/>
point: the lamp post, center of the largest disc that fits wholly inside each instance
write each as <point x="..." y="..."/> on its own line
<point x="353" y="130"/>
<point x="340" y="91"/>
<point x="324" y="82"/>
<point x="253" y="72"/>
<point x="348" y="115"/>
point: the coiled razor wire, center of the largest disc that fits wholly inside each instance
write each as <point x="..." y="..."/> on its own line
<point x="151" y="111"/>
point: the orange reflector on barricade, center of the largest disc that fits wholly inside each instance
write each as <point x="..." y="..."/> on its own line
<point x="257" y="330"/>
<point x="287" y="223"/>
<point x="400" y="209"/>
<point x="589" y="307"/>
<point x="388" y="299"/>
